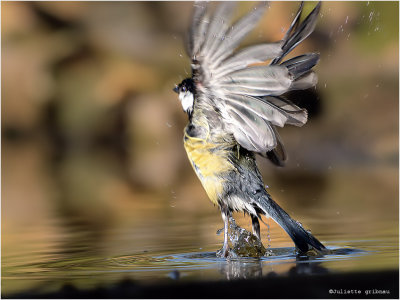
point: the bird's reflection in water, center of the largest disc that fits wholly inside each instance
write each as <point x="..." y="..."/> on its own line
<point x="308" y="265"/>
<point x="246" y="268"/>
<point x="242" y="268"/>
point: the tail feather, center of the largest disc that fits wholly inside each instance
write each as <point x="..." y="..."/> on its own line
<point x="303" y="240"/>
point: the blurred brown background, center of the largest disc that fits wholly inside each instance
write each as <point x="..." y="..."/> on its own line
<point x="92" y="155"/>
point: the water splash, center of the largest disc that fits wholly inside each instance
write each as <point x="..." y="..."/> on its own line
<point x="243" y="242"/>
<point x="269" y="251"/>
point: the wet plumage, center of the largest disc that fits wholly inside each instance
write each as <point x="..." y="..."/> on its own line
<point x="235" y="106"/>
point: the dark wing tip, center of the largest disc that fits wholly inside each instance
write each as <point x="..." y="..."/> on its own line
<point x="298" y="31"/>
<point x="275" y="159"/>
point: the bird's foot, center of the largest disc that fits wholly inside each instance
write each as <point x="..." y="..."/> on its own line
<point x="223" y="252"/>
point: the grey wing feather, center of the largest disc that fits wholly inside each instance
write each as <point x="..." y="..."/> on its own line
<point x="305" y="82"/>
<point x="265" y="80"/>
<point x="217" y="27"/>
<point x="258" y="81"/>
<point x="246" y="96"/>
<point x="199" y="27"/>
<point x="237" y="32"/>
<point x="270" y="109"/>
<point x="296" y="115"/>
<point x="250" y="130"/>
<point x="278" y="154"/>
<point x="247" y="56"/>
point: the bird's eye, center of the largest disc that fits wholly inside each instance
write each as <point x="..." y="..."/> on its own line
<point x="184" y="89"/>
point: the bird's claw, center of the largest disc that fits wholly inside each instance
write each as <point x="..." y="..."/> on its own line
<point x="223" y="252"/>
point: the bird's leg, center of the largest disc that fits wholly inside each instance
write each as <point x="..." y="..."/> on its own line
<point x="256" y="226"/>
<point x="225" y="217"/>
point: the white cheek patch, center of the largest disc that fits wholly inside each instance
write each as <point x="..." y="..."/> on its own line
<point x="186" y="100"/>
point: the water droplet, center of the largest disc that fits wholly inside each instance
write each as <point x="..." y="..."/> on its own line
<point x="268" y="236"/>
<point x="347" y="19"/>
<point x="181" y="55"/>
<point x="371" y="15"/>
<point x="168" y="125"/>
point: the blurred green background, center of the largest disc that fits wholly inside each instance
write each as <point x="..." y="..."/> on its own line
<point x="92" y="154"/>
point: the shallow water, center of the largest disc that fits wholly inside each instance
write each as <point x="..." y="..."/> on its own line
<point x="82" y="223"/>
<point x="46" y="263"/>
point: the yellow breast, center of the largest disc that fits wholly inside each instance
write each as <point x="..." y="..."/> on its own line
<point x="210" y="162"/>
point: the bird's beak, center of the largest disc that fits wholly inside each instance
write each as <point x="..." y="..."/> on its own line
<point x="176" y="89"/>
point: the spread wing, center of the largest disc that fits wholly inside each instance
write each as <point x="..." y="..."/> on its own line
<point x="246" y="93"/>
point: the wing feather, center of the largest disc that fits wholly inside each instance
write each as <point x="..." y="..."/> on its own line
<point x="270" y="109"/>
<point x="253" y="132"/>
<point x="237" y="32"/>
<point x="296" y="115"/>
<point x="301" y="64"/>
<point x="198" y="30"/>
<point x="217" y="28"/>
<point x="247" y="97"/>
<point x="248" y="56"/>
<point x="278" y="154"/>
<point x="305" y="82"/>
<point x="298" y="32"/>
<point x="257" y="81"/>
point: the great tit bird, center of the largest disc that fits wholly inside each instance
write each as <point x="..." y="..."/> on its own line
<point x="234" y="103"/>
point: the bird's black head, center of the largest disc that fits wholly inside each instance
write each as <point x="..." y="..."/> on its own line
<point x="186" y="91"/>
